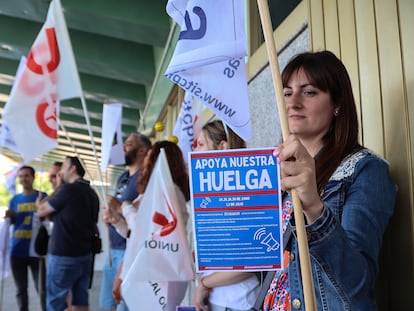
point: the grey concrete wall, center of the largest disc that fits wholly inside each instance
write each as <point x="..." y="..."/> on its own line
<point x="263" y="108"/>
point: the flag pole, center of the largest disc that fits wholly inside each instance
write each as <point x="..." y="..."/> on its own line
<point x="88" y="123"/>
<point x="41" y="262"/>
<point x="307" y="281"/>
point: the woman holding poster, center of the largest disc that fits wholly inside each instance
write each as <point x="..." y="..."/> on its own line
<point x="346" y="191"/>
<point x="219" y="291"/>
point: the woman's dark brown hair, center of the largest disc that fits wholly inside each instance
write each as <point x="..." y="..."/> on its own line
<point x="175" y="162"/>
<point x="216" y="132"/>
<point x="326" y="72"/>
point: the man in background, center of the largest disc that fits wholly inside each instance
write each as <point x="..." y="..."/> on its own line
<point x="135" y="150"/>
<point x="75" y="208"/>
<point x="56" y="181"/>
<point x="54" y="177"/>
<point x="22" y="256"/>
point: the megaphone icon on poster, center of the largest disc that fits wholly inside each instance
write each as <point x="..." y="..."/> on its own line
<point x="268" y="240"/>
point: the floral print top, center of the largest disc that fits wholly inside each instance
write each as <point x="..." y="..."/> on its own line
<point x="278" y="295"/>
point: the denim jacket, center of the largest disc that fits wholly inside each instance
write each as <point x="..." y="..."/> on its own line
<point x="344" y="242"/>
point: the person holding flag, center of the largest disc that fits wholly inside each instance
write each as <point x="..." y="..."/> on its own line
<point x="135" y="149"/>
<point x="346" y="191"/>
<point x="75" y="209"/>
<point x="174" y="290"/>
<point x="233" y="290"/>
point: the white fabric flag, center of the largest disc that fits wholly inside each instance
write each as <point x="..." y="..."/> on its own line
<point x="11" y="177"/>
<point x="188" y="124"/>
<point x="49" y="75"/>
<point x="158" y="241"/>
<point x="6" y="138"/>
<point x="209" y="58"/>
<point x="112" y="145"/>
<point x="145" y="295"/>
<point x="5" y="233"/>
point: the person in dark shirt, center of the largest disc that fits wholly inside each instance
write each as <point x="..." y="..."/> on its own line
<point x="75" y="209"/>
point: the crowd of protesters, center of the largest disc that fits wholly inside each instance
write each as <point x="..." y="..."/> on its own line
<point x="346" y="193"/>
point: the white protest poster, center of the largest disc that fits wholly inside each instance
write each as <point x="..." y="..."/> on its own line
<point x="236" y="201"/>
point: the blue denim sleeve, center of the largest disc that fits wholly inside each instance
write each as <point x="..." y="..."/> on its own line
<point x="345" y="241"/>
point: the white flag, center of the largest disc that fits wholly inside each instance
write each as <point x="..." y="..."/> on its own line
<point x="145" y="295"/>
<point x="49" y="75"/>
<point x="112" y="145"/>
<point x="5" y="233"/>
<point x="209" y="58"/>
<point x="158" y="241"/>
<point x="188" y="124"/>
<point x="11" y="177"/>
<point x="6" y="138"/>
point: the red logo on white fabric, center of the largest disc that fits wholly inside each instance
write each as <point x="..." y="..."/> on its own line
<point x="43" y="60"/>
<point x="46" y="118"/>
<point x="167" y="226"/>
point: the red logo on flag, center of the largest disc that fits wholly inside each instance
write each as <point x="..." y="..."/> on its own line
<point x="167" y="225"/>
<point x="46" y="119"/>
<point x="44" y="59"/>
<point x="49" y="52"/>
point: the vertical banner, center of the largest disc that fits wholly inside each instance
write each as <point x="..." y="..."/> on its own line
<point x="188" y="124"/>
<point x="112" y="144"/>
<point x="236" y="200"/>
<point x="208" y="61"/>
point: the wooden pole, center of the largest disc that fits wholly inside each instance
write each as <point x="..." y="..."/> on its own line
<point x="180" y="96"/>
<point x="307" y="280"/>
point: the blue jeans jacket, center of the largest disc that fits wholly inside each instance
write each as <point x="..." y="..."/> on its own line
<point x="345" y="241"/>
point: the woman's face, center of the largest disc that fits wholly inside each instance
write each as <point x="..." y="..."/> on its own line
<point x="310" y="110"/>
<point x="204" y="143"/>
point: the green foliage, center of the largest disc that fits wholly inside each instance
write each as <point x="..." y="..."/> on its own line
<point x="41" y="183"/>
